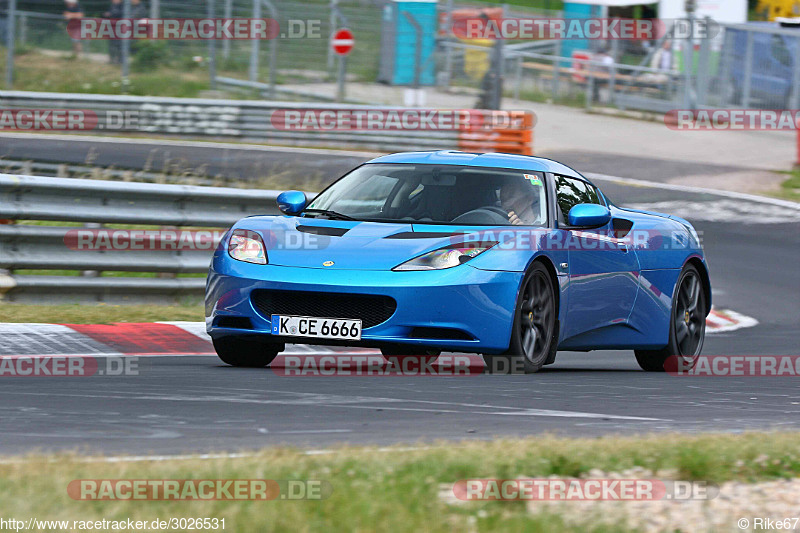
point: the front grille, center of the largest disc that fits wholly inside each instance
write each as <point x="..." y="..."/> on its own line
<point x="371" y="309"/>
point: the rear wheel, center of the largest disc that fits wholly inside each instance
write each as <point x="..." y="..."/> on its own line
<point x="687" y="328"/>
<point x="246" y="352"/>
<point x="533" y="334"/>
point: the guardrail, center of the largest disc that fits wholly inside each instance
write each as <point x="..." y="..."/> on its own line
<point x="242" y="119"/>
<point x="67" y="170"/>
<point x="23" y="245"/>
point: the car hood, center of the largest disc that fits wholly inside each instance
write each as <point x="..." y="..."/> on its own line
<point x="348" y="245"/>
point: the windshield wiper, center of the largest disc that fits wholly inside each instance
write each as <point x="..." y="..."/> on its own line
<point x="329" y="214"/>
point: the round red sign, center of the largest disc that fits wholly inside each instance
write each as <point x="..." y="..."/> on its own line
<point x="343" y="41"/>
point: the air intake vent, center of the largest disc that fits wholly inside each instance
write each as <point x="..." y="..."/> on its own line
<point x="237" y="322"/>
<point x="323" y="230"/>
<point x="622" y="226"/>
<point x="371" y="309"/>
<point x="440" y="334"/>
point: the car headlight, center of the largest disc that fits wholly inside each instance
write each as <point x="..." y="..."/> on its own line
<point x="449" y="256"/>
<point x="247" y="246"/>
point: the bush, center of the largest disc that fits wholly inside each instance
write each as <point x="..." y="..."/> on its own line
<point x="149" y="55"/>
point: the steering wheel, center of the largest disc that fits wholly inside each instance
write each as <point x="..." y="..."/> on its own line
<point x="493" y="214"/>
<point x="499" y="210"/>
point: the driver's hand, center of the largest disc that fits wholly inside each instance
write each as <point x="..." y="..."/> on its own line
<point x="514" y="219"/>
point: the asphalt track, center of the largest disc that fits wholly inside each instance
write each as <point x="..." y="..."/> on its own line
<point x="242" y="162"/>
<point x="195" y="404"/>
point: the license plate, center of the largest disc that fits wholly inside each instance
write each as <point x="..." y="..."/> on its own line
<point x="321" y="328"/>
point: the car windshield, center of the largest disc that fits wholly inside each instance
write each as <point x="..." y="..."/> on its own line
<point x="435" y="194"/>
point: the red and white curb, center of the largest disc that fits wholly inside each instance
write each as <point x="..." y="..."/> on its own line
<point x="188" y="338"/>
<point x="721" y="321"/>
<point x="121" y="339"/>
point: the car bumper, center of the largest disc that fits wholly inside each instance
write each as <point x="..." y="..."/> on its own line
<point x="477" y="303"/>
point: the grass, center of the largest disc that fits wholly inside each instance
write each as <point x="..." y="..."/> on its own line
<point x="35" y="71"/>
<point x="101" y="313"/>
<point x="533" y="95"/>
<point x="790" y="189"/>
<point x="395" y="489"/>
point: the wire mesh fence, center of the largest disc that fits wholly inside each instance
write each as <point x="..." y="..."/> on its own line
<point x="754" y="65"/>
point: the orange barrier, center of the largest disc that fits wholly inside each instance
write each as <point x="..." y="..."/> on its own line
<point x="488" y="134"/>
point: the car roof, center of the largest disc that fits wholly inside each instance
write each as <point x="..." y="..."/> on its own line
<point x="454" y="157"/>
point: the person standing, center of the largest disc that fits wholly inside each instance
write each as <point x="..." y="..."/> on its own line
<point x="138" y="13"/>
<point x="663" y="63"/>
<point x="73" y="11"/>
<point x="115" y="12"/>
<point x="138" y="10"/>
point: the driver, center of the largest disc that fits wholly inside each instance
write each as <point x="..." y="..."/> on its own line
<point x="520" y="200"/>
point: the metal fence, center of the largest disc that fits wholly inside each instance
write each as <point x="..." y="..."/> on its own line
<point x="751" y="66"/>
<point x="255" y="120"/>
<point x="242" y="119"/>
<point x="745" y="66"/>
<point x="27" y="245"/>
<point x="299" y="54"/>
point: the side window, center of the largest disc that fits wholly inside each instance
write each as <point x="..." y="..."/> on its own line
<point x="570" y="192"/>
<point x="592" y="194"/>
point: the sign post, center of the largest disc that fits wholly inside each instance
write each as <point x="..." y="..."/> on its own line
<point x="342" y="44"/>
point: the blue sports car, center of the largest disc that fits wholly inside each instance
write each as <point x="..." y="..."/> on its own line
<point x="509" y="256"/>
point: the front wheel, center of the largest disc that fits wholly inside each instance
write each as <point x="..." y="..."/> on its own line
<point x="533" y="334"/>
<point x="246" y="352"/>
<point x="687" y="328"/>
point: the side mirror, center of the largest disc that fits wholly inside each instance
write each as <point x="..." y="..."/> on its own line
<point x="589" y="215"/>
<point x="292" y="202"/>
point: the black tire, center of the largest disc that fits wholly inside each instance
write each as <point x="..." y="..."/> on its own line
<point x="534" y="333"/>
<point x="400" y="352"/>
<point x="246" y="352"/>
<point x="687" y="326"/>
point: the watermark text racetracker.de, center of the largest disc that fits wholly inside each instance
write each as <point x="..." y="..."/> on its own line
<point x="570" y="489"/>
<point x="119" y="524"/>
<point x="642" y="241"/>
<point x="590" y="28"/>
<point x="67" y="366"/>
<point x="185" y="240"/>
<point x="198" y="489"/>
<point x="69" y="120"/>
<point x="181" y="29"/>
<point x="376" y="365"/>
<point x="510" y="239"/>
<point x="732" y="119"/>
<point x="734" y="366"/>
<point x="355" y="119"/>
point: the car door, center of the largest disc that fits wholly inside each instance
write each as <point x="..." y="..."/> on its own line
<point x="602" y="272"/>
